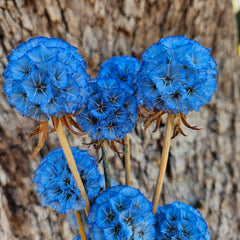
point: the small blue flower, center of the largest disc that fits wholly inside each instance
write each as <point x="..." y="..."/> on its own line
<point x="56" y="185"/>
<point x="111" y="109"/>
<point x="123" y="69"/>
<point x="179" y="72"/>
<point x="50" y="76"/>
<point x="121" y="212"/>
<point x="180" y="221"/>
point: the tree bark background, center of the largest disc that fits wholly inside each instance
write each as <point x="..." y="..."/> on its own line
<point x="203" y="169"/>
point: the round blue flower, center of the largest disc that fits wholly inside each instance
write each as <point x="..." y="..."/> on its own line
<point x="177" y="75"/>
<point x="123" y="69"/>
<point x="180" y="221"/>
<point x="121" y="212"/>
<point x="111" y="109"/>
<point x="46" y="77"/>
<point x="57" y="187"/>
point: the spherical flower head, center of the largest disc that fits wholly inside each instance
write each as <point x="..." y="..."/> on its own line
<point x="177" y="75"/>
<point x="123" y="69"/>
<point x="111" y="109"/>
<point x="46" y="77"/>
<point x="121" y="212"/>
<point x="180" y="221"/>
<point x="56" y="185"/>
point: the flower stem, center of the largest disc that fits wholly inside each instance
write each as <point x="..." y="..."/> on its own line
<point x="106" y="165"/>
<point x="127" y="159"/>
<point x="164" y="160"/>
<point x="80" y="225"/>
<point x="72" y="165"/>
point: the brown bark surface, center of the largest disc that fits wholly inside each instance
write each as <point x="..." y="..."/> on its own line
<point x="203" y="169"/>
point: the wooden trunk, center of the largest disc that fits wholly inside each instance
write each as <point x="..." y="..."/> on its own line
<point x="203" y="169"/>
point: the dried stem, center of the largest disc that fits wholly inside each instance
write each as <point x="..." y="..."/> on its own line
<point x="163" y="165"/>
<point x="106" y="165"/>
<point x="127" y="159"/>
<point x="80" y="225"/>
<point x="72" y="165"/>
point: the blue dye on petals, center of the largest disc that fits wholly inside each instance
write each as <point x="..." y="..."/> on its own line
<point x="111" y="110"/>
<point x="50" y="76"/>
<point x="117" y="214"/>
<point x="180" y="221"/>
<point x="56" y="185"/>
<point x="176" y="75"/>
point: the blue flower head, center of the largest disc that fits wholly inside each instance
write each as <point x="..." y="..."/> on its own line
<point x="180" y="221"/>
<point x="56" y="185"/>
<point x="121" y="212"/>
<point x="177" y="75"/>
<point x="46" y="77"/>
<point x="111" y="109"/>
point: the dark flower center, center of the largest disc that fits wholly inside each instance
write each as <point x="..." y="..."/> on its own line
<point x="189" y="90"/>
<point x="172" y="229"/>
<point x="69" y="196"/>
<point x="41" y="87"/>
<point x="120" y="207"/>
<point x="168" y="78"/>
<point x="110" y="217"/>
<point x="67" y="182"/>
<point x="101" y="108"/>
<point x="185" y="233"/>
<point x="59" y="191"/>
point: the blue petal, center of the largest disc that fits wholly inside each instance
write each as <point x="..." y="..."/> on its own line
<point x="71" y="92"/>
<point x="98" y="107"/>
<point x="37" y="87"/>
<point x="115" y="97"/>
<point x="20" y="68"/>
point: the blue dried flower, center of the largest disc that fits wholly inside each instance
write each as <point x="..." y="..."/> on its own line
<point x="177" y="75"/>
<point x="123" y="69"/>
<point x="56" y="185"/>
<point x="111" y="109"/>
<point x="180" y="221"/>
<point x="121" y="212"/>
<point x="46" y="77"/>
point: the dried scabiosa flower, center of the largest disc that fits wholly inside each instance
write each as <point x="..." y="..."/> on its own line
<point x="56" y="186"/>
<point x="121" y="212"/>
<point x="45" y="78"/>
<point x="111" y="110"/>
<point x="180" y="221"/>
<point x="177" y="75"/>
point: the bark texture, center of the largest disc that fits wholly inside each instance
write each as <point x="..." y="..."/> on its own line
<point x="203" y="168"/>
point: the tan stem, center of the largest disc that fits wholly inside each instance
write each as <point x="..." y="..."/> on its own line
<point x="80" y="225"/>
<point x="163" y="164"/>
<point x="127" y="159"/>
<point x="72" y="165"/>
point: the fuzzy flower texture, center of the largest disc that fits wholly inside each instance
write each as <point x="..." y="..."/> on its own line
<point x="180" y="221"/>
<point x="177" y="75"/>
<point x="121" y="212"/>
<point x="44" y="77"/>
<point x="111" y="110"/>
<point x="56" y="185"/>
